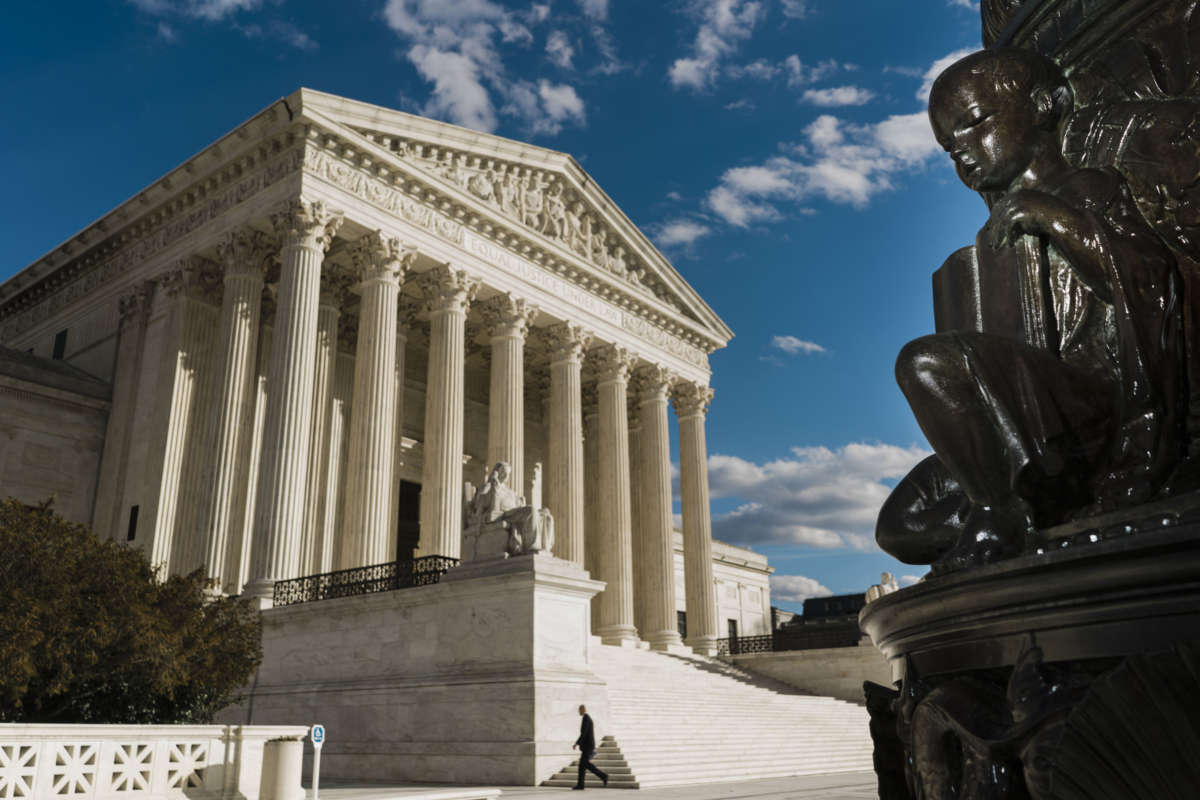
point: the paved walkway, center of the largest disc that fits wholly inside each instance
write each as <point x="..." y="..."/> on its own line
<point x="841" y="786"/>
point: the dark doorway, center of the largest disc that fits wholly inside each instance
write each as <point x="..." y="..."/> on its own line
<point x="733" y="629"/>
<point x="408" y="528"/>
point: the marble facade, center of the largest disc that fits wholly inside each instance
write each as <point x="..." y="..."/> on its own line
<point x="336" y="302"/>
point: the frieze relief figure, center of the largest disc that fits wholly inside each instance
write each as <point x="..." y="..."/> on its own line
<point x="531" y="201"/>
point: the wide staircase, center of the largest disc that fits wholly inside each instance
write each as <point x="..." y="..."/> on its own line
<point x="687" y="719"/>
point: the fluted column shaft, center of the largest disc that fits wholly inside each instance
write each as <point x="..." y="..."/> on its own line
<point x="380" y="260"/>
<point x="637" y="514"/>
<point x="657" y="552"/>
<point x="244" y="253"/>
<point x="691" y="404"/>
<point x="404" y="319"/>
<point x="450" y="293"/>
<point x="306" y="230"/>
<point x="614" y="545"/>
<point x="565" y="474"/>
<point x="508" y="321"/>
<point x="313" y="546"/>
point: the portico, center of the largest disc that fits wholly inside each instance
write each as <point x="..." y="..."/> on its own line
<point x="336" y="300"/>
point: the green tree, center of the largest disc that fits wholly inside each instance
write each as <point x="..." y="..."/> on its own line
<point x="89" y="634"/>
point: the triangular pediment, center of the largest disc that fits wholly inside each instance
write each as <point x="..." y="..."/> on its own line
<point x="543" y="192"/>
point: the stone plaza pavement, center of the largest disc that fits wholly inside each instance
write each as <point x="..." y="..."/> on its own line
<point x="840" y="786"/>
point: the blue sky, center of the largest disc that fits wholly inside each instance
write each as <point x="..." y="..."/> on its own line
<point x="776" y="151"/>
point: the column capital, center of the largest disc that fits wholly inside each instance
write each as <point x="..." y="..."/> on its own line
<point x="134" y="306"/>
<point x="691" y="399"/>
<point x="509" y="317"/>
<point x="245" y="252"/>
<point x="653" y="383"/>
<point x="613" y="363"/>
<point x="193" y="277"/>
<point x="447" y="289"/>
<point x="566" y="341"/>
<point x="379" y="257"/>
<point x="305" y="223"/>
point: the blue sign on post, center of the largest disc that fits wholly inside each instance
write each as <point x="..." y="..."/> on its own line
<point x="318" y="735"/>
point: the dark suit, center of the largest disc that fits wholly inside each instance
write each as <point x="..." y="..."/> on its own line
<point x="587" y="750"/>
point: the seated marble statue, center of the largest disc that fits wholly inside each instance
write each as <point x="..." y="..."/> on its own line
<point x="887" y="584"/>
<point x="498" y="522"/>
<point x="1054" y="388"/>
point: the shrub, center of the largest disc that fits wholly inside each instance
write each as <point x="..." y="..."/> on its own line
<point x="89" y="634"/>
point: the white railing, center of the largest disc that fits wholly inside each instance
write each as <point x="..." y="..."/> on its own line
<point x="140" y="762"/>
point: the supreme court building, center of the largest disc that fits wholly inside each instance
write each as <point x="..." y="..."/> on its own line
<point x="319" y="327"/>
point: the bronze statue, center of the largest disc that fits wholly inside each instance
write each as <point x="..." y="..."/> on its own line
<point x="1055" y="386"/>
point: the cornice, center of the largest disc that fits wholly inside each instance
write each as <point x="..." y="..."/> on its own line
<point x="378" y="176"/>
<point x="139" y="229"/>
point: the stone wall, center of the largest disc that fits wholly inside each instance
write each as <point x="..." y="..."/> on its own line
<point x="837" y="672"/>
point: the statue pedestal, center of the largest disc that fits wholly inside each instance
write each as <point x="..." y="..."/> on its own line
<point x="473" y="680"/>
<point x="1040" y="672"/>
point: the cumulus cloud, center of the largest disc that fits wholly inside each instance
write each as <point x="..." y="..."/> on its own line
<point x="971" y="4"/>
<point x="839" y="96"/>
<point x="796" y="589"/>
<point x="909" y="580"/>
<point x="680" y="232"/>
<point x="800" y="74"/>
<point x="742" y="104"/>
<point x="456" y="47"/>
<point x="793" y="346"/>
<point x="559" y="49"/>
<point x="760" y="69"/>
<point x="724" y="25"/>
<point x="211" y="10"/>
<point x="281" y="31"/>
<point x="816" y="497"/>
<point x="596" y="9"/>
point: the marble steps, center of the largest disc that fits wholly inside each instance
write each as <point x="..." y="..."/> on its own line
<point x="608" y="759"/>
<point x="752" y="727"/>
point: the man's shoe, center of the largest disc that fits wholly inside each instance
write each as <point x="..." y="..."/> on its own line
<point x="577" y="787"/>
<point x="605" y="779"/>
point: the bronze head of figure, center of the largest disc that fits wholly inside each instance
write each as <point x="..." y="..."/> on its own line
<point x="1053" y="387"/>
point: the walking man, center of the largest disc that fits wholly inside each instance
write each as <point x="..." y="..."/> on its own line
<point x="587" y="749"/>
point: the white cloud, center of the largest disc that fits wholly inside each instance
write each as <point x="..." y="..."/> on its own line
<point x="839" y="96"/>
<point x="724" y="24"/>
<point x="456" y="48"/>
<point x="760" y="69"/>
<point x="596" y="9"/>
<point x="796" y="589"/>
<point x="909" y="580"/>
<point x="558" y="48"/>
<point x="680" y="232"/>
<point x="800" y="74"/>
<point x="971" y="4"/>
<point x="167" y="32"/>
<point x="793" y="346"/>
<point x="211" y="10"/>
<point x="937" y="68"/>
<point x="743" y="104"/>
<point x="817" y="497"/>
<point x="797" y="9"/>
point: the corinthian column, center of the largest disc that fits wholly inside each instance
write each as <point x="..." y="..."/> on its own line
<point x="656" y="553"/>
<point x="564" y="490"/>
<point x="449" y="293"/>
<point x="245" y="253"/>
<point x="306" y="230"/>
<point x="381" y="261"/>
<point x="691" y="404"/>
<point x="507" y="319"/>
<point x="614" y="546"/>
<point x="406" y="315"/>
<point x="329" y="311"/>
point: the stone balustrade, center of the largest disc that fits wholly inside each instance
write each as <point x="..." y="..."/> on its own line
<point x="146" y="762"/>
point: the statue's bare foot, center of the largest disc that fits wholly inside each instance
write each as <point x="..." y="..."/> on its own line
<point x="990" y="534"/>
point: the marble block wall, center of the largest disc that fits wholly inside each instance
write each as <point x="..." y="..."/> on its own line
<point x="473" y="680"/>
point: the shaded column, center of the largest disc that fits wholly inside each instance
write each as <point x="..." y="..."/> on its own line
<point x="449" y="293"/>
<point x="244" y="253"/>
<point x="306" y="230"/>
<point x="691" y="405"/>
<point x="406" y="317"/>
<point x="329" y="311"/>
<point x="565" y="467"/>
<point x="614" y="546"/>
<point x="109" y="511"/>
<point x="380" y="261"/>
<point x="507" y="319"/>
<point x="656" y="552"/>
<point x="637" y="509"/>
